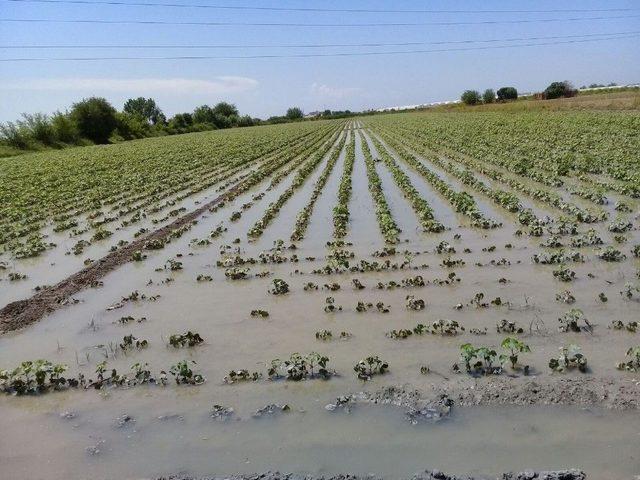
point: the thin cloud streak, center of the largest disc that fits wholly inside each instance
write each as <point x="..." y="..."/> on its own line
<point x="177" y="86"/>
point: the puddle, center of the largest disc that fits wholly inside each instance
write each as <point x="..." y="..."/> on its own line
<point x="473" y="441"/>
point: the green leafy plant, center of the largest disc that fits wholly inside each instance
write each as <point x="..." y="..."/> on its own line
<point x="370" y="366"/>
<point x="514" y="347"/>
<point x="570" y="357"/>
<point x="184" y="375"/>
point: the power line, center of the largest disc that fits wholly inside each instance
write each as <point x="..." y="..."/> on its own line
<point x="298" y="24"/>
<point x="309" y="9"/>
<point x="309" y="55"/>
<point x="315" y="45"/>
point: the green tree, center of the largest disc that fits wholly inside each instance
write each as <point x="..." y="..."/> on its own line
<point x="558" y="90"/>
<point x="507" y="93"/>
<point x="95" y="118"/>
<point x="145" y="108"/>
<point x="489" y="96"/>
<point x="181" y="122"/>
<point x="294" y="113"/>
<point x="203" y="114"/>
<point x="470" y="97"/>
<point x="131" y="126"/>
<point x="225" y="109"/>
<point x="65" y="128"/>
<point x="245" y="121"/>
<point x="39" y="127"/>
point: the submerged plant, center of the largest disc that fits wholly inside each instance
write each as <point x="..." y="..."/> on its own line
<point x="633" y="362"/>
<point x="570" y="357"/>
<point x="399" y="334"/>
<point x="241" y="376"/>
<point x="370" y="366"/>
<point x="565" y="297"/>
<point x="129" y="342"/>
<point x="184" y="375"/>
<point x="564" y="274"/>
<point x="301" y="367"/>
<point x="446" y="327"/>
<point x="413" y="303"/>
<point x="324" y="335"/>
<point x="574" y="321"/>
<point x="611" y="254"/>
<point x="187" y="339"/>
<point x="279" y="287"/>
<point x="505" y="326"/>
<point x="629" y="326"/>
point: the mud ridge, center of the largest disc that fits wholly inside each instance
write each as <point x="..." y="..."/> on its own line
<point x="607" y="392"/>
<point x="571" y="474"/>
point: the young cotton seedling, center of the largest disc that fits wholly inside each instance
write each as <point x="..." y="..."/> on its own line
<point x="514" y="347"/>
<point x="570" y="357"/>
<point x="370" y="366"/>
<point x="184" y="375"/>
<point x="633" y="362"/>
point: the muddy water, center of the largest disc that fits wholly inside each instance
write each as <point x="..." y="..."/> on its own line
<point x="398" y="205"/>
<point x="84" y="334"/>
<point x="57" y="263"/>
<point x="289" y="211"/>
<point x="363" y="230"/>
<point x="172" y="438"/>
<point x="320" y="226"/>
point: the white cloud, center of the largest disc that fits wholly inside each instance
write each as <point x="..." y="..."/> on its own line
<point x="326" y="91"/>
<point x="217" y="85"/>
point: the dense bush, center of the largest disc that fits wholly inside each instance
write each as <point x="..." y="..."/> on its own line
<point x="294" y="113"/>
<point x="558" y="90"/>
<point x="144" y="108"/>
<point x="489" y="96"/>
<point x="470" y="97"/>
<point x="96" y="119"/>
<point x="507" y="93"/>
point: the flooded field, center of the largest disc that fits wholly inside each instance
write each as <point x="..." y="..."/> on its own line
<point x="475" y="441"/>
<point x="368" y="239"/>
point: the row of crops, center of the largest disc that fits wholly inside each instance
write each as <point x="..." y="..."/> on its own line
<point x="513" y="162"/>
<point x="506" y="260"/>
<point x="90" y="188"/>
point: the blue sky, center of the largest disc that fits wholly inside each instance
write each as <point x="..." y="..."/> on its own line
<point x="263" y="87"/>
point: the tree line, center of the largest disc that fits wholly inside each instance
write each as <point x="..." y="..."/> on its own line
<point x="95" y="121"/>
<point x="554" y="90"/>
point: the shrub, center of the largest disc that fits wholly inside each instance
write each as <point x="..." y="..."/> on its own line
<point x="558" y="90"/>
<point x="66" y="130"/>
<point x="39" y="127"/>
<point x="507" y="93"/>
<point x="145" y="109"/>
<point x="14" y="135"/>
<point x="294" y="113"/>
<point x="488" y="96"/>
<point x="96" y="119"/>
<point x="131" y="126"/>
<point x="470" y="97"/>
